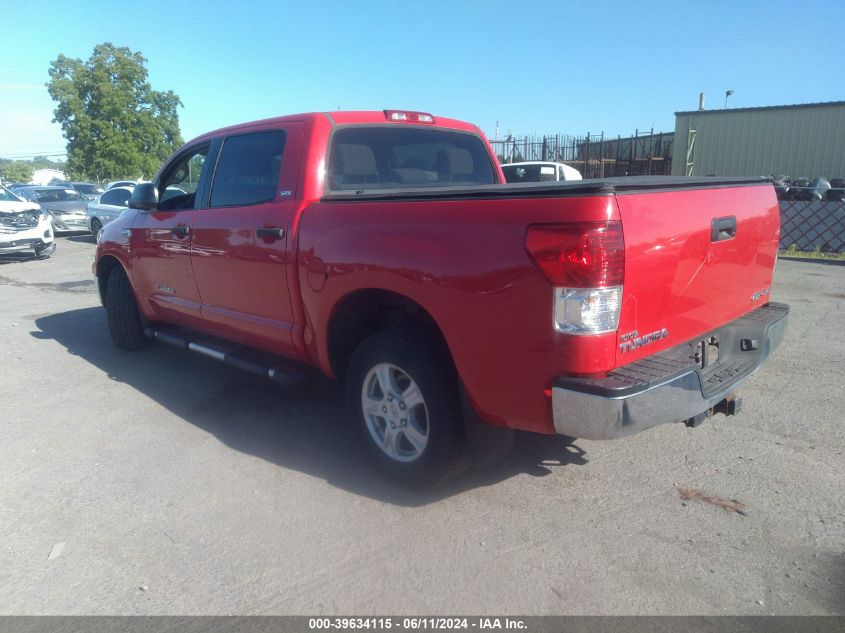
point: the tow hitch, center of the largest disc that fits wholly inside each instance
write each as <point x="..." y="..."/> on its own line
<point x="729" y="406"/>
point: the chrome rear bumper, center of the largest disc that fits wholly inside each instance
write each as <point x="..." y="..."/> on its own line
<point x="668" y="386"/>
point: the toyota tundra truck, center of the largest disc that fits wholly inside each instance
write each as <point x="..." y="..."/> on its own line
<point x="385" y="249"/>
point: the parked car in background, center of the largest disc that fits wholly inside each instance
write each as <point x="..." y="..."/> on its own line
<point x="115" y="201"/>
<point x="65" y="206"/>
<point x="88" y="190"/>
<point x="539" y="171"/>
<point x="24" y="226"/>
<point x="105" y="208"/>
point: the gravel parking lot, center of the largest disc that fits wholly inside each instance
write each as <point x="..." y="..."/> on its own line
<point x="164" y="483"/>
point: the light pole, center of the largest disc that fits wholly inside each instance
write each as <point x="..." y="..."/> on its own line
<point x="728" y="93"/>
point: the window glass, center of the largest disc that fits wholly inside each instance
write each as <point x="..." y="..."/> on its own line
<point x="8" y="196"/>
<point x="529" y="173"/>
<point x="179" y="183"/>
<point x="389" y="157"/>
<point x="117" y="197"/>
<point x="248" y="169"/>
<point x="57" y="195"/>
<point x="86" y="189"/>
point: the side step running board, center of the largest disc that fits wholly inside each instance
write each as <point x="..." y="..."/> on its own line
<point x="283" y="375"/>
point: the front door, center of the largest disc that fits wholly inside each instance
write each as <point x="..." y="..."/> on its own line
<point x="160" y="243"/>
<point x="239" y="251"/>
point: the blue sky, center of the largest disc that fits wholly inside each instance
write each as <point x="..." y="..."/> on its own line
<point x="536" y="67"/>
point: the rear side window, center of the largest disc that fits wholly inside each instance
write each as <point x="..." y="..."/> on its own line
<point x="248" y="169"/>
<point x="117" y="197"/>
<point x="388" y="157"/>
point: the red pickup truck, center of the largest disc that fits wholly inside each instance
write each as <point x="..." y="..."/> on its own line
<point x="384" y="249"/>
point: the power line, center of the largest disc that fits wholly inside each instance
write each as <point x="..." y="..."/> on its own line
<point x="31" y="155"/>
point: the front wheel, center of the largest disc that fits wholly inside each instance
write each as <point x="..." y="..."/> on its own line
<point x="96" y="227"/>
<point x="404" y="398"/>
<point x="125" y="326"/>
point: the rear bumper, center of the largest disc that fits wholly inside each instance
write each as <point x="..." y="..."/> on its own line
<point x="668" y="386"/>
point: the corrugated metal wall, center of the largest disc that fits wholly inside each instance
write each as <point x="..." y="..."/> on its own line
<point x="795" y="141"/>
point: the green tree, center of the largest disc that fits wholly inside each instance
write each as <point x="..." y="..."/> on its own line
<point x="115" y="124"/>
<point x="16" y="171"/>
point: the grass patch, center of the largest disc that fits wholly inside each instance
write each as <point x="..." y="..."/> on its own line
<point x="793" y="251"/>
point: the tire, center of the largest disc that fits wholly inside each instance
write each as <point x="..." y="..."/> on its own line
<point x="96" y="227"/>
<point x="125" y="326"/>
<point x="404" y="399"/>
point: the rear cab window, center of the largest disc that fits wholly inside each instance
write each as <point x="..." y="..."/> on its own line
<point x="394" y="157"/>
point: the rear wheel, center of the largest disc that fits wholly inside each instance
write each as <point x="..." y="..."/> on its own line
<point x="405" y="401"/>
<point x="125" y="326"/>
<point x="96" y="227"/>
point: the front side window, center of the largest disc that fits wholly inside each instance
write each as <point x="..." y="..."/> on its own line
<point x="391" y="157"/>
<point x="248" y="169"/>
<point x="178" y="185"/>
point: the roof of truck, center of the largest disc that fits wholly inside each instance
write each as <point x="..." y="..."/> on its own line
<point x="347" y="117"/>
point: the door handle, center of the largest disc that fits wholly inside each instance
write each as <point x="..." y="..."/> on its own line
<point x="183" y="230"/>
<point x="723" y="229"/>
<point x="270" y="233"/>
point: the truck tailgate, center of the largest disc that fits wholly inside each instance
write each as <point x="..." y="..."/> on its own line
<point x="695" y="259"/>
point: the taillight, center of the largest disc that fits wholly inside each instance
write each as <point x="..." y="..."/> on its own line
<point x="585" y="262"/>
<point x="579" y="255"/>
<point x="408" y="116"/>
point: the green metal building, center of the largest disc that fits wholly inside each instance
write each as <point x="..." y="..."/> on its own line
<point x="804" y="140"/>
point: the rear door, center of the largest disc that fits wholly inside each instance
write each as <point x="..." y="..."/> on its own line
<point x="239" y="251"/>
<point x="160" y="252"/>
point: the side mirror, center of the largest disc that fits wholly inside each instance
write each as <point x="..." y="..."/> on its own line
<point x="144" y="197"/>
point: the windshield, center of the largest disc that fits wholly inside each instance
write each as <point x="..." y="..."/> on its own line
<point x="7" y="196"/>
<point x="57" y="195"/>
<point x="529" y="173"/>
<point x="388" y="157"/>
<point x="87" y="189"/>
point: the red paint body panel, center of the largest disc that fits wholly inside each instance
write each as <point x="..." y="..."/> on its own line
<point x="462" y="259"/>
<point x="465" y="263"/>
<point x="677" y="278"/>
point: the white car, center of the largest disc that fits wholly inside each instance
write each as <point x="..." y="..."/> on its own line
<point x="107" y="207"/>
<point x="24" y="226"/>
<point x="539" y="171"/>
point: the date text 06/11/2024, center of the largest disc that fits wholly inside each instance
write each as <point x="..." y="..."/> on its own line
<point x="415" y="624"/>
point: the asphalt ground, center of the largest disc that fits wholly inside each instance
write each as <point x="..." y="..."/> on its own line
<point x="160" y="482"/>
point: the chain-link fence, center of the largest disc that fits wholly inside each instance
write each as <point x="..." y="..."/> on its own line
<point x="810" y="226"/>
